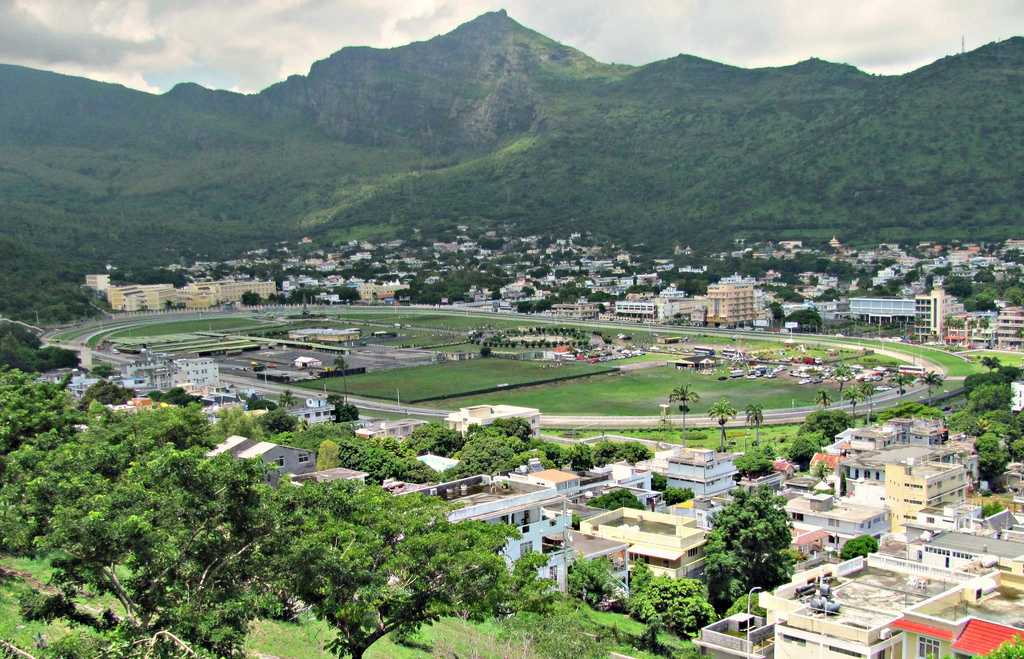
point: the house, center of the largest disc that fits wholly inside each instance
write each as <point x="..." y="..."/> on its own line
<point x="538" y="513"/>
<point x="485" y="415"/>
<point x="315" y="410"/>
<point x="399" y="429"/>
<point x="703" y="471"/>
<point x="285" y="459"/>
<point x="842" y="520"/>
<point x="329" y="475"/>
<point x="670" y="545"/>
<point x="739" y="636"/>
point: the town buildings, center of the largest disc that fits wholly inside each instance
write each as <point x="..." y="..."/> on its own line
<point x="705" y="472"/>
<point x="731" y="305"/>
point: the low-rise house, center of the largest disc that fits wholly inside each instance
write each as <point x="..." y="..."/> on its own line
<point x="399" y="429"/>
<point x="315" y="410"/>
<point x="539" y="513"/>
<point x="670" y="545"/>
<point x="329" y="475"/>
<point x="485" y="415"/>
<point x="284" y="459"/>
<point x="739" y="636"/>
<point x="843" y="521"/>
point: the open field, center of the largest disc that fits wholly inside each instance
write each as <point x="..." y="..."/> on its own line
<point x="451" y="378"/>
<point x="1005" y="358"/>
<point x="639" y="393"/>
<point x="187" y="326"/>
<point x="780" y="435"/>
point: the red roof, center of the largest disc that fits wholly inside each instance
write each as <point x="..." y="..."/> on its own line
<point x="918" y="628"/>
<point x="831" y="460"/>
<point x="982" y="637"/>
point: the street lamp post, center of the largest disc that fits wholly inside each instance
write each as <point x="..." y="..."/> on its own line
<point x="750" y="595"/>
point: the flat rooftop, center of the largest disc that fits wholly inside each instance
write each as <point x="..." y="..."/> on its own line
<point x="873" y="597"/>
<point x="840" y="510"/>
<point x="974" y="544"/>
<point x="1004" y="606"/>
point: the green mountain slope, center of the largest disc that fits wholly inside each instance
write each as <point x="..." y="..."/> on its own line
<point x="497" y="125"/>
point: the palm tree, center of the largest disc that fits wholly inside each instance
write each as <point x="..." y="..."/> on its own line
<point x="684" y="395"/>
<point x="824" y="398"/>
<point x="755" y="417"/>
<point x="287" y="399"/>
<point x="931" y="380"/>
<point x="991" y="363"/>
<point x="867" y="391"/>
<point x="723" y="411"/>
<point x="843" y="374"/>
<point x="902" y="380"/>
<point x="854" y="396"/>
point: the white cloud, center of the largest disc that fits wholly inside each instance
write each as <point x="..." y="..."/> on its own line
<point x="151" y="44"/>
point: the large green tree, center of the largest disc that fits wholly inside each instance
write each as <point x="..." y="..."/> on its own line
<point x="370" y="564"/>
<point x="748" y="546"/>
<point x="680" y="604"/>
<point x="131" y="509"/>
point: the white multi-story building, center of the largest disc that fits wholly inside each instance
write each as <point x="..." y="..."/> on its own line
<point x="842" y="520"/>
<point x="703" y="471"/>
<point x="198" y="373"/>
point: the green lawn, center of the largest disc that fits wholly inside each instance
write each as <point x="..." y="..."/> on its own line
<point x="638" y="393"/>
<point x="188" y="326"/>
<point x="780" y="435"/>
<point x="451" y="378"/>
<point x="1005" y="358"/>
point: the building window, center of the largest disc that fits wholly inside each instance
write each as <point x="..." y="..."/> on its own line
<point x="794" y="640"/>
<point x="279" y="462"/>
<point x="303" y="458"/>
<point x="526" y="548"/>
<point x="839" y="650"/>
<point x="927" y="648"/>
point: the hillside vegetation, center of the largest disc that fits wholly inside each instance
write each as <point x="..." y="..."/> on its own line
<point x="496" y="125"/>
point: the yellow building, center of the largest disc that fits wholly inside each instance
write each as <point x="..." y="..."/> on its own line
<point x="141" y="297"/>
<point x="370" y="292"/>
<point x="670" y="545"/>
<point x="98" y="283"/>
<point x="911" y="486"/>
<point x="730" y="304"/>
<point x="203" y="295"/>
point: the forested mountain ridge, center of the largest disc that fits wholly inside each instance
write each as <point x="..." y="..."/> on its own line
<point x="494" y="124"/>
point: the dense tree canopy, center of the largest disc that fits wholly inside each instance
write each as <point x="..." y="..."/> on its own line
<point x="748" y="546"/>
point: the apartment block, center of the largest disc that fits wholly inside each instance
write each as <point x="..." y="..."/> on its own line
<point x="576" y="310"/>
<point x="1010" y="328"/>
<point x="204" y="295"/>
<point x="141" y="297"/>
<point x="731" y="305"/>
<point x="670" y="545"/>
<point x="201" y="373"/>
<point x="98" y="283"/>
<point x="911" y="487"/>
<point x="906" y="480"/>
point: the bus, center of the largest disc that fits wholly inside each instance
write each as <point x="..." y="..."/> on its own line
<point x="907" y="369"/>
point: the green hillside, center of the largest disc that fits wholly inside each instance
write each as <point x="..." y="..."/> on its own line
<point x="496" y="125"/>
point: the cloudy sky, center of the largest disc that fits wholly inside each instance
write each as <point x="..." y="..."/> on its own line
<point x="246" y="45"/>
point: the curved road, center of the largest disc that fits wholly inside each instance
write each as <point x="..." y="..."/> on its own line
<point x="775" y="416"/>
